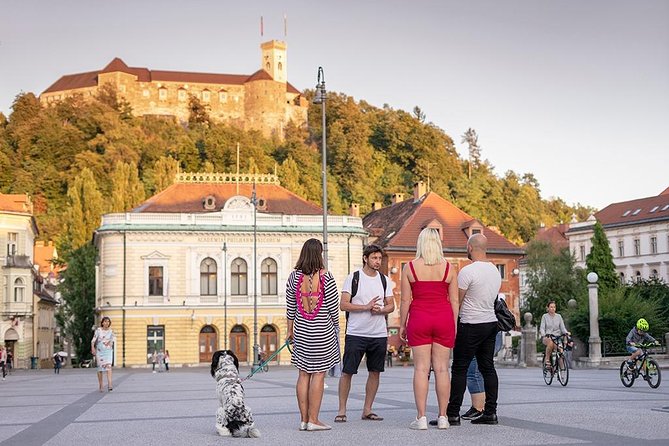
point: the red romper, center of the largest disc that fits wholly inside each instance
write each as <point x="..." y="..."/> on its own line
<point x="430" y="312"/>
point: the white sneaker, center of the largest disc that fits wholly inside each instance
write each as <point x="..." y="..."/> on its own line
<point x="419" y="424"/>
<point x="442" y="423"/>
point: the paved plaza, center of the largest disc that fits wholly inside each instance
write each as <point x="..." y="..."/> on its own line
<point x="177" y="408"/>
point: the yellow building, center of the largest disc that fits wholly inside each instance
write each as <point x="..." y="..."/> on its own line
<point x="179" y="272"/>
<point x="17" y="238"/>
<point x="263" y="101"/>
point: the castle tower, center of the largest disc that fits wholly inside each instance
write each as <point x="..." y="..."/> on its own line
<point x="274" y="59"/>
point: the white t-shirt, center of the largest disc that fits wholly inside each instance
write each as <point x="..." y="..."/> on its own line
<point x="482" y="281"/>
<point x="364" y="323"/>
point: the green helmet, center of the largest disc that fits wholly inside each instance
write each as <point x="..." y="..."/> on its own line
<point x="642" y="324"/>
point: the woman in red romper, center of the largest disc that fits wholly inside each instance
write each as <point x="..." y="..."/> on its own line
<point x="428" y="313"/>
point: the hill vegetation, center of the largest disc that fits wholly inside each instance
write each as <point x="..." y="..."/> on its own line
<point x="78" y="159"/>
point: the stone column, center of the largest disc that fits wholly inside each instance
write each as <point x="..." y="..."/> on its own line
<point x="528" y="343"/>
<point x="594" y="341"/>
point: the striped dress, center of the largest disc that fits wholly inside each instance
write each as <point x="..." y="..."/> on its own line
<point x="315" y="341"/>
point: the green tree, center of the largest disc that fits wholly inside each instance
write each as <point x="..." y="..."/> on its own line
<point x="76" y="314"/>
<point x="127" y="189"/>
<point x="600" y="260"/>
<point x="199" y="113"/>
<point x="618" y="313"/>
<point x="162" y="175"/>
<point x="83" y="214"/>
<point x="551" y="275"/>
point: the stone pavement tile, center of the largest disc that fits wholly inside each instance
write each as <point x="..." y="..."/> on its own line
<point x="8" y="431"/>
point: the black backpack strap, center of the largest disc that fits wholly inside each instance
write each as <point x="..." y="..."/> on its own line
<point x="354" y="288"/>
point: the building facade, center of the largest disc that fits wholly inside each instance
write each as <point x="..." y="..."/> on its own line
<point x="18" y="231"/>
<point x="638" y="234"/>
<point x="179" y="271"/>
<point x="263" y="101"/>
<point x="396" y="228"/>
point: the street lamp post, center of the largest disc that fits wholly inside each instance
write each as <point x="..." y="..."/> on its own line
<point x="320" y="99"/>
<point x="255" y="276"/>
<point x="225" y="293"/>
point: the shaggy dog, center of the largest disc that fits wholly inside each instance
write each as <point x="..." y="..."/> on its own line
<point x="232" y="417"/>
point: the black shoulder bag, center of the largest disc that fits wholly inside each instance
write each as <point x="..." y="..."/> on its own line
<point x="505" y="319"/>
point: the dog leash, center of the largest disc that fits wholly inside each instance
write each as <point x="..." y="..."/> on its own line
<point x="263" y="363"/>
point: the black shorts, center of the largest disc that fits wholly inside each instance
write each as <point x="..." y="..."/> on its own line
<point x="356" y="346"/>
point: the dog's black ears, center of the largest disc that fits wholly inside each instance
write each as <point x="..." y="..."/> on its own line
<point x="217" y="356"/>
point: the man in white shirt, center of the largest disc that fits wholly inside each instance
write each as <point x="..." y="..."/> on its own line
<point x="478" y="285"/>
<point x="367" y="306"/>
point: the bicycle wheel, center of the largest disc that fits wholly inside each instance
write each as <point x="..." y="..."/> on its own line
<point x="265" y="368"/>
<point x="653" y="375"/>
<point x="626" y="375"/>
<point x="562" y="369"/>
<point x="548" y="371"/>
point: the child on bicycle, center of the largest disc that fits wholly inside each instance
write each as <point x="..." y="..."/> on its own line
<point x="637" y="335"/>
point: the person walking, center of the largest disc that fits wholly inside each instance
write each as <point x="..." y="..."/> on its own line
<point x="154" y="360"/>
<point x="478" y="286"/>
<point x="57" y="363"/>
<point x="367" y="298"/>
<point x="167" y="360"/>
<point x="161" y="361"/>
<point x="313" y="327"/>
<point x="428" y="311"/>
<point x="102" y="347"/>
<point x="3" y="361"/>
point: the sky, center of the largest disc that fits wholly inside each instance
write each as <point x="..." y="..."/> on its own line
<point x="575" y="92"/>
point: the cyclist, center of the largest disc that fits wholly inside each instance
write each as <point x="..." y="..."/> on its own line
<point x="551" y="324"/>
<point x="637" y="335"/>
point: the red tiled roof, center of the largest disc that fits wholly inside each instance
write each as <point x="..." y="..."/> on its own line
<point x="260" y="75"/>
<point x="189" y="197"/>
<point x="642" y="209"/>
<point x="665" y="192"/>
<point x="402" y="222"/>
<point x="555" y="235"/>
<point x="90" y="79"/>
<point x="16" y="203"/>
<point x="74" y="81"/>
<point x="44" y="256"/>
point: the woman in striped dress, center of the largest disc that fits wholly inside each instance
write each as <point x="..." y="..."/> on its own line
<point x="312" y="310"/>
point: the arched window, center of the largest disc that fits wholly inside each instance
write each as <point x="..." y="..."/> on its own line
<point x="653" y="274"/>
<point x="268" y="276"/>
<point x="622" y="278"/>
<point x="238" y="277"/>
<point x="19" y="290"/>
<point x="208" y="277"/>
<point x="638" y="276"/>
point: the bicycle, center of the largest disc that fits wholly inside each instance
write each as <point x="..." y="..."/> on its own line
<point x="559" y="365"/>
<point x="644" y="366"/>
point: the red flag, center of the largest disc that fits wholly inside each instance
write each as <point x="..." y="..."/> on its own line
<point x="261" y="27"/>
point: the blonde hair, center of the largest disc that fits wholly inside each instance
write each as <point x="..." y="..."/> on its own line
<point x="428" y="246"/>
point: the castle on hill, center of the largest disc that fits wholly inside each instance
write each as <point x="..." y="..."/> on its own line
<point x="263" y="101"/>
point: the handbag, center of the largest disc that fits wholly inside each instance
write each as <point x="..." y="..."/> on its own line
<point x="505" y="319"/>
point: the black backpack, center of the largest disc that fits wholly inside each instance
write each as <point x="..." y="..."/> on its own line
<point x="354" y="289"/>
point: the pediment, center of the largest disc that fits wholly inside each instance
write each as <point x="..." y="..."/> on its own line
<point x="155" y="255"/>
<point x="238" y="202"/>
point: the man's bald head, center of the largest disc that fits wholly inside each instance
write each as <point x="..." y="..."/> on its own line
<point x="478" y="243"/>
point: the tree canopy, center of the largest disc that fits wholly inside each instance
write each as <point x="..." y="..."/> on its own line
<point x="56" y="153"/>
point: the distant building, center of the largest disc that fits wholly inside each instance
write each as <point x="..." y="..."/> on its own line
<point x="179" y="263"/>
<point x="263" y="101"/>
<point x="18" y="230"/>
<point x="638" y="234"/>
<point x="396" y="227"/>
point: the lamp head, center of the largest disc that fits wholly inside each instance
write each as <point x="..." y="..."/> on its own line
<point x="592" y="277"/>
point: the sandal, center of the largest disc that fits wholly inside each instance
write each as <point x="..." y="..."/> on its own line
<point x="340" y="419"/>
<point x="372" y="417"/>
<point x="110" y="389"/>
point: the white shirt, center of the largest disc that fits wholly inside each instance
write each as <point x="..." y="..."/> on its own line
<point x="482" y="282"/>
<point x="364" y="323"/>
